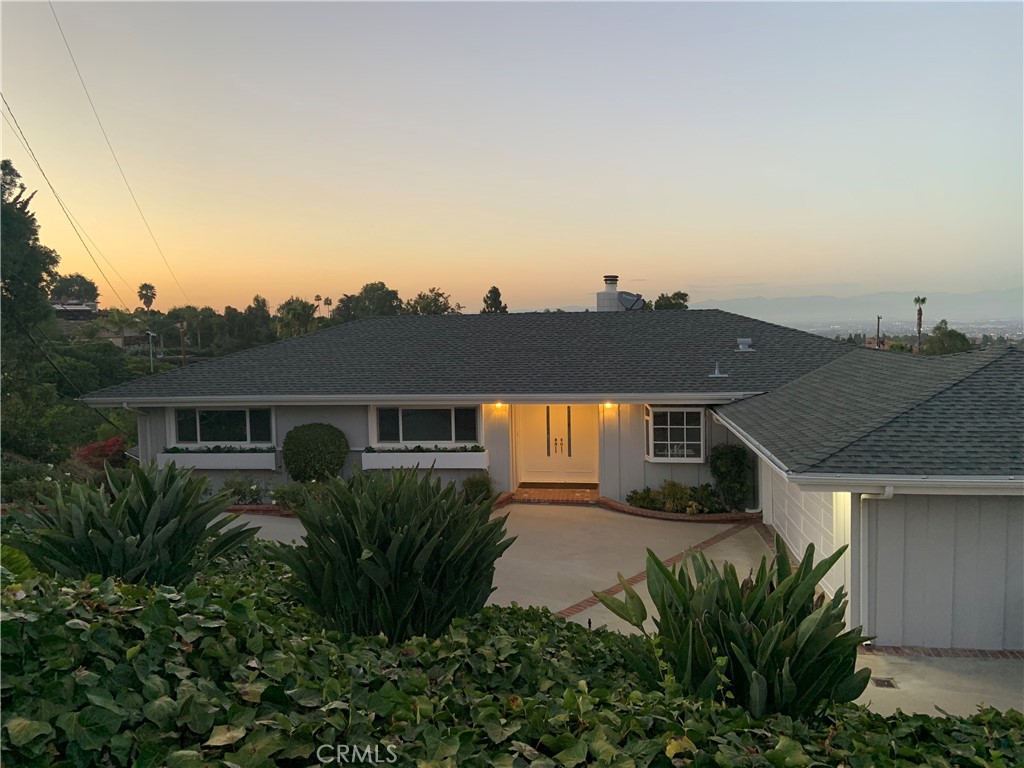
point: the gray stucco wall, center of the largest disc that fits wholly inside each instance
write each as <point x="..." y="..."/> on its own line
<point x="946" y="571"/>
<point x="622" y="444"/>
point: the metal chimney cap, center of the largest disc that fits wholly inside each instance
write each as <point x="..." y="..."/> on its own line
<point x="611" y="279"/>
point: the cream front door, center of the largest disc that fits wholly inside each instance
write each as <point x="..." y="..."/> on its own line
<point x="556" y="443"/>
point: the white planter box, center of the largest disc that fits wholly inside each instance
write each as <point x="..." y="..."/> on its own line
<point x="439" y="460"/>
<point x="235" y="461"/>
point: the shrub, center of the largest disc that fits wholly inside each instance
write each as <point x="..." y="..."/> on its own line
<point x="765" y="643"/>
<point x="730" y="466"/>
<point x="110" y="451"/>
<point x="154" y="527"/>
<point x="396" y="553"/>
<point x="478" y="486"/>
<point x="314" y="452"/>
<point x="244" y="488"/>
<point x="293" y="495"/>
<point x="675" y="497"/>
<point x="646" y="499"/>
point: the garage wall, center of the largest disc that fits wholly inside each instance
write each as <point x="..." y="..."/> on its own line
<point x="946" y="571"/>
<point x="802" y="518"/>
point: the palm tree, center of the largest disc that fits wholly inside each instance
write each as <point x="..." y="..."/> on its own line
<point x="919" y="303"/>
<point x="316" y="300"/>
<point x="327" y="303"/>
<point x="147" y="295"/>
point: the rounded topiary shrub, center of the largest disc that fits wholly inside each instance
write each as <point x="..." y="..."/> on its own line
<point x="314" y="452"/>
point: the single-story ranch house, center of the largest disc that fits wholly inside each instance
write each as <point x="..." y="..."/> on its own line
<point x="916" y="463"/>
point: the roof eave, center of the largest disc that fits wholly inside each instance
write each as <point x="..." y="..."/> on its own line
<point x="818" y="482"/>
<point x="623" y="398"/>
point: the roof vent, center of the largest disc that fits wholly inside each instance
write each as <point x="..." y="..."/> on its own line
<point x="718" y="374"/>
<point x="744" y="345"/>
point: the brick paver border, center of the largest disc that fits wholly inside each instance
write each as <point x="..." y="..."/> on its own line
<point x="917" y="651"/>
<point x="636" y="578"/>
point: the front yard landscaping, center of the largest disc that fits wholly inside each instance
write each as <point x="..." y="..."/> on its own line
<point x="253" y="661"/>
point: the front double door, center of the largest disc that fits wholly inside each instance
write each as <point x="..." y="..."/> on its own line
<point x="556" y="443"/>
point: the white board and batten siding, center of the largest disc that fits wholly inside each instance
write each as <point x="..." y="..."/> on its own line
<point x="946" y="571"/>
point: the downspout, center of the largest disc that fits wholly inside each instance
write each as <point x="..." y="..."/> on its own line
<point x="860" y="557"/>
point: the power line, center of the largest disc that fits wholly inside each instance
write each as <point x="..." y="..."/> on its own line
<point x="60" y="202"/>
<point x="114" y="154"/>
<point x="63" y="375"/>
<point x="102" y="255"/>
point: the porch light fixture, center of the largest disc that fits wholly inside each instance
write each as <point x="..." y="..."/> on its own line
<point x="499" y="406"/>
<point x="609" y="406"/>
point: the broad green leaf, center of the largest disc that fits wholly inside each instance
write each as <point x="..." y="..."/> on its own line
<point x="21" y="730"/>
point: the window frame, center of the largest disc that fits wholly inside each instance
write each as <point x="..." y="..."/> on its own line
<point x="376" y="442"/>
<point x="650" y="410"/>
<point x="172" y="428"/>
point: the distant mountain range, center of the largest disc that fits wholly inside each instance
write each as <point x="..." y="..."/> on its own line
<point x="895" y="307"/>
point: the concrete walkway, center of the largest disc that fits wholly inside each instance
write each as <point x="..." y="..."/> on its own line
<point x="563" y="553"/>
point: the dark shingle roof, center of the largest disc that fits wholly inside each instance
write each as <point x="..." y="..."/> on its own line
<point x="516" y="354"/>
<point x="891" y="414"/>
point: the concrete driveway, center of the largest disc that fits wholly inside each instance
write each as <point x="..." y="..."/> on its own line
<point x="564" y="553"/>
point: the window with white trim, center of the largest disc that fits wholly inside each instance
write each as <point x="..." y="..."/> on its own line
<point x="222" y="426"/>
<point x="427" y="425"/>
<point x="674" y="433"/>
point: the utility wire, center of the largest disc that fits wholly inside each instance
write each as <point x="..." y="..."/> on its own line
<point x="63" y="375"/>
<point x="114" y="154"/>
<point x="60" y="202"/>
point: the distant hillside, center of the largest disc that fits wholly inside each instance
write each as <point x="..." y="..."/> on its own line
<point x="893" y="306"/>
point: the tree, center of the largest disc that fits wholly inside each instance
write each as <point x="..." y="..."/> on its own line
<point x="26" y="266"/>
<point x="147" y="295"/>
<point x="259" y="325"/>
<point x="944" y="340"/>
<point x="919" y="302"/>
<point x="432" y="302"/>
<point x="317" y="299"/>
<point x="295" y="317"/>
<point x="74" y="287"/>
<point x="492" y="303"/>
<point x="677" y="300"/>
<point x="373" y="300"/>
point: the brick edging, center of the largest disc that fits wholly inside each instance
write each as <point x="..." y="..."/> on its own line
<point x="269" y="510"/>
<point x="719" y="517"/>
<point x="918" y="651"/>
<point x="590" y="602"/>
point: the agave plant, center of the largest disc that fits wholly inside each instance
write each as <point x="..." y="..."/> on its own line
<point x="767" y="643"/>
<point x="151" y="526"/>
<point x="396" y="553"/>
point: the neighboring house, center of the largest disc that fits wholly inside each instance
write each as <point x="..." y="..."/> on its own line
<point x="619" y="400"/>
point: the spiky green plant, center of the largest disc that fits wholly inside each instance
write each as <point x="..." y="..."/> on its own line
<point x="152" y="526"/>
<point x="396" y="553"/>
<point x="765" y="643"/>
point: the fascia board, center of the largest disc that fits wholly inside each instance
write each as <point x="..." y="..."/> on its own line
<point x="619" y="398"/>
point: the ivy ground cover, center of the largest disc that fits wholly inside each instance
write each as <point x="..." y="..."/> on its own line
<point x="228" y="671"/>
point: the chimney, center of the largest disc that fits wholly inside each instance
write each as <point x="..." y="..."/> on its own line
<point x="608" y="299"/>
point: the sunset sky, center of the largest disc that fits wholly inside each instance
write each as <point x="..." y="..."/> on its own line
<point x="723" y="149"/>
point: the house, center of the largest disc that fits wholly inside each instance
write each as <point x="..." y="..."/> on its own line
<point x="621" y="400"/>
